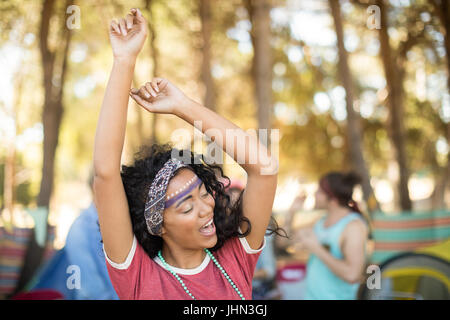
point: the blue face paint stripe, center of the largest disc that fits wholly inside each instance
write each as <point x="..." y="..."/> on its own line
<point x="171" y="201"/>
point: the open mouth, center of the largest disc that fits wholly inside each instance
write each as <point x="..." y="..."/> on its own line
<point x="209" y="228"/>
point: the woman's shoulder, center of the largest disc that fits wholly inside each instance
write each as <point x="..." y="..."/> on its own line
<point x="241" y="245"/>
<point x="356" y="225"/>
<point x="135" y="258"/>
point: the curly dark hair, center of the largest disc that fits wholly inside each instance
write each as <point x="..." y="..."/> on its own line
<point x="138" y="177"/>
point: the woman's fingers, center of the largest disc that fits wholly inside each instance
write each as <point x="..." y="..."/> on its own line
<point x="161" y="83"/>
<point x="154" y="84"/>
<point x="150" y="89"/>
<point x="123" y="28"/>
<point x="137" y="13"/>
<point x="143" y="93"/>
<point x="129" y="21"/>
<point x="115" y="26"/>
<point x="123" y="25"/>
<point x="147" y="105"/>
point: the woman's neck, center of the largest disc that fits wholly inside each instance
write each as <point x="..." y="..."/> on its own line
<point x="182" y="258"/>
<point x="337" y="212"/>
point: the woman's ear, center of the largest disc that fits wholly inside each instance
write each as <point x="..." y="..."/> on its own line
<point x="163" y="230"/>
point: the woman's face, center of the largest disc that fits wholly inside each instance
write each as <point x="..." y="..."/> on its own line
<point x="321" y="199"/>
<point x="188" y="222"/>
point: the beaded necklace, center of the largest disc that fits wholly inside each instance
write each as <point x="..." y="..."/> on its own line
<point x="225" y="274"/>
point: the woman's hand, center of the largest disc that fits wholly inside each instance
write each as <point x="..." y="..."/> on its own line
<point x="307" y="239"/>
<point x="128" y="35"/>
<point x="298" y="202"/>
<point x="159" y="96"/>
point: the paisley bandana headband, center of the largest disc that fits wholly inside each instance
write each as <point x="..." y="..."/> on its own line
<point x="180" y="193"/>
<point x="155" y="203"/>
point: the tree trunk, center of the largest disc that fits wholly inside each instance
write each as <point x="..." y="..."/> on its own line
<point x="9" y="182"/>
<point x="442" y="10"/>
<point x="259" y="12"/>
<point x="209" y="99"/>
<point x="354" y="133"/>
<point x="155" y="62"/>
<point x="394" y="74"/>
<point x="54" y="70"/>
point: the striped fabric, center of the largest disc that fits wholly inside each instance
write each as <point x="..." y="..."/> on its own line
<point x="13" y="246"/>
<point x="12" y="252"/>
<point x="407" y="231"/>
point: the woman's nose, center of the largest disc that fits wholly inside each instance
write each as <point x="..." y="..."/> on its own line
<point x="205" y="209"/>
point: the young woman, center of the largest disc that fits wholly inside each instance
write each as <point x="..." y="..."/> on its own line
<point x="337" y="242"/>
<point x="169" y="230"/>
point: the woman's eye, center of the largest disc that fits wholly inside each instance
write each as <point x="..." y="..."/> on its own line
<point x="187" y="211"/>
<point x="205" y="195"/>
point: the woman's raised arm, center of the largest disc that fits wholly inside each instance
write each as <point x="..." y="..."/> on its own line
<point x="127" y="37"/>
<point x="161" y="96"/>
<point x="261" y="167"/>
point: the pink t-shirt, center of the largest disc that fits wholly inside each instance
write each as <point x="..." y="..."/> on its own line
<point x="143" y="278"/>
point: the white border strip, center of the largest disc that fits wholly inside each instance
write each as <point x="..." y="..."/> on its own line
<point x="246" y="246"/>
<point x="250" y="250"/>
<point x="124" y="265"/>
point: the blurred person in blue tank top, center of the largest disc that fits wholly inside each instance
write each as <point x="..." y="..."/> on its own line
<point x="337" y="242"/>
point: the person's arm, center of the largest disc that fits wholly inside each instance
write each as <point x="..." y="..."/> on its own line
<point x="255" y="159"/>
<point x="127" y="38"/>
<point x="350" y="268"/>
<point x="296" y="205"/>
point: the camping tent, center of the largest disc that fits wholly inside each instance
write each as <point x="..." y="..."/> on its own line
<point x="423" y="274"/>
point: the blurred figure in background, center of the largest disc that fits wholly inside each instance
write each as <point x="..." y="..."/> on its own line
<point x="82" y="257"/>
<point x="264" y="282"/>
<point x="84" y="249"/>
<point x="336" y="242"/>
